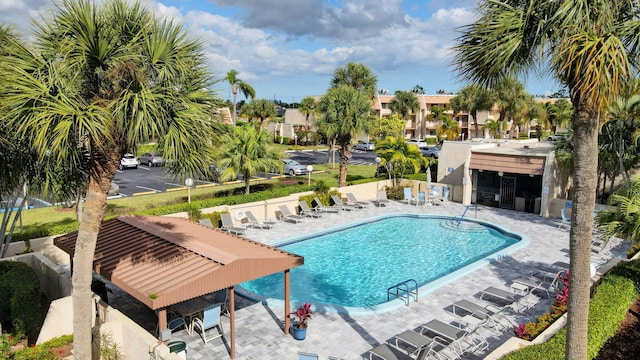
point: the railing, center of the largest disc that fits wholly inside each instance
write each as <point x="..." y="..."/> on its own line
<point x="402" y="291"/>
<point x="475" y="206"/>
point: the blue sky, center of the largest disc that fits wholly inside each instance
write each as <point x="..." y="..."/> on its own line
<point x="289" y="49"/>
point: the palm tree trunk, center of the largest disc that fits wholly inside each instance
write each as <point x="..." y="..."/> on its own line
<point x="344" y="162"/>
<point x="475" y="123"/>
<point x="233" y="116"/>
<point x="623" y="171"/>
<point x="247" y="188"/>
<point x="585" y="140"/>
<point x="83" y="314"/>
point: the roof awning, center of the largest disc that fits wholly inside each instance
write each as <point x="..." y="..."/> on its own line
<point x="515" y="164"/>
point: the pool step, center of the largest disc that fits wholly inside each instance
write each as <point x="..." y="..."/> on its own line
<point x="466" y="226"/>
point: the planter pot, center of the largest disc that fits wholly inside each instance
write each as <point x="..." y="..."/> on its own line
<point x="299" y="334"/>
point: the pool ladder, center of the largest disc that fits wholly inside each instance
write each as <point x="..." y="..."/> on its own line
<point x="402" y="290"/>
<point x="475" y="206"/>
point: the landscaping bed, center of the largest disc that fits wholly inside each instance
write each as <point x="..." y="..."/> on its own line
<point x="625" y="344"/>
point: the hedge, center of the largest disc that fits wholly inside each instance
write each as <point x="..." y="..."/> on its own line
<point x="19" y="297"/>
<point x="614" y="295"/>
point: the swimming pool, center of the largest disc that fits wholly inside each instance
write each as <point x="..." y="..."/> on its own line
<point x="352" y="266"/>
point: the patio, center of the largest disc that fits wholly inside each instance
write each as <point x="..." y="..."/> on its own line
<point x="259" y="332"/>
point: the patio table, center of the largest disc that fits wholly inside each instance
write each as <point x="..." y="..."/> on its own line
<point x="191" y="308"/>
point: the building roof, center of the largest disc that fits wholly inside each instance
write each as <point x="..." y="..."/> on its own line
<point x="164" y="260"/>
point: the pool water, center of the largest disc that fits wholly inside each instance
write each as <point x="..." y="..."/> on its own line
<point x="354" y="266"/>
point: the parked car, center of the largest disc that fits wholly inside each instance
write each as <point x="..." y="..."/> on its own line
<point x="293" y="167"/>
<point x="151" y="159"/>
<point x="215" y="174"/>
<point x="556" y="137"/>
<point x="128" y="161"/>
<point x="365" y="145"/>
<point x="419" y="143"/>
<point x="431" y="151"/>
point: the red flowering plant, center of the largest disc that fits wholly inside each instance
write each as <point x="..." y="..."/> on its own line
<point x="303" y="314"/>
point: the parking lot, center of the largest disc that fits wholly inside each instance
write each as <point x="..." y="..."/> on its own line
<point x="147" y="180"/>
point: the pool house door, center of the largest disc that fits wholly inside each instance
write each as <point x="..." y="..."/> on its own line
<point x="508" y="192"/>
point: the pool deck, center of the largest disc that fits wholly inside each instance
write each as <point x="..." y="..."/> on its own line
<point x="259" y="332"/>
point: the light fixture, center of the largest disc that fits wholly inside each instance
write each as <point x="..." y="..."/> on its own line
<point x="531" y="175"/>
<point x="309" y="170"/>
<point x="189" y="183"/>
<point x="500" y="173"/>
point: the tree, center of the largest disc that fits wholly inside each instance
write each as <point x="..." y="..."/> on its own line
<point x="624" y="116"/>
<point x="100" y="80"/>
<point x="559" y="113"/>
<point x="400" y="157"/>
<point x="308" y="106"/>
<point x="358" y="76"/>
<point x="237" y="84"/>
<point x="404" y="103"/>
<point x="346" y="112"/>
<point x="261" y="109"/>
<point x="493" y="127"/>
<point x="418" y="90"/>
<point x="247" y="152"/>
<point x="588" y="46"/>
<point x="473" y="98"/>
<point x="383" y="127"/>
<point x="624" y="220"/>
<point x="448" y="129"/>
<point x="510" y="97"/>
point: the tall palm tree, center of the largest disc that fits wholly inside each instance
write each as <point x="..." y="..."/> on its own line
<point x="624" y="113"/>
<point x="493" y="126"/>
<point x="400" y="156"/>
<point x="247" y="152"/>
<point x="510" y="97"/>
<point x="346" y="112"/>
<point x="448" y="129"/>
<point x="101" y="79"/>
<point x="237" y="84"/>
<point x="559" y="113"/>
<point x="473" y="98"/>
<point x="358" y="76"/>
<point x="589" y="47"/>
<point x="404" y="103"/>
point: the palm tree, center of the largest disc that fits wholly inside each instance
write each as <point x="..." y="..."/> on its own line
<point x="559" y="113"/>
<point x="358" y="76"/>
<point x="418" y="90"/>
<point x="386" y="126"/>
<point x="624" y="220"/>
<point x="247" y="152"/>
<point x="261" y="109"/>
<point x="237" y="84"/>
<point x="510" y="97"/>
<point x="101" y="79"/>
<point x="400" y="157"/>
<point x="346" y="112"/>
<point x="448" y="129"/>
<point x="625" y="114"/>
<point x="589" y="47"/>
<point x="404" y="102"/>
<point x="493" y="127"/>
<point x="308" y="106"/>
<point x="473" y="98"/>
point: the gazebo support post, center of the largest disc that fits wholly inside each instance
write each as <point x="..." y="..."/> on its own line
<point x="232" y="322"/>
<point x="287" y="305"/>
<point x="162" y="320"/>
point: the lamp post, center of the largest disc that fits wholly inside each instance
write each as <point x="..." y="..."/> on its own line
<point x="377" y="160"/>
<point x="309" y="170"/>
<point x="189" y="183"/>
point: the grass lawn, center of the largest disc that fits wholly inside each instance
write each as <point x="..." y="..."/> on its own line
<point x="44" y="217"/>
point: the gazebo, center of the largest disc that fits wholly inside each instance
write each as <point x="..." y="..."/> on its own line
<point x="163" y="261"/>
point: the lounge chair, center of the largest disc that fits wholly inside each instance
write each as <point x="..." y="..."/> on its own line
<point x="421" y="199"/>
<point x="407" y="196"/>
<point x="286" y="215"/>
<point x="381" y="199"/>
<point x="305" y="210"/>
<point x="227" y="225"/>
<point x="460" y="341"/>
<point x="206" y="222"/>
<point x="355" y="202"/>
<point x="337" y="202"/>
<point x="210" y="320"/>
<point x="492" y="319"/>
<point x="534" y="284"/>
<point x="255" y="223"/>
<point x="318" y="206"/>
<point x="565" y="219"/>
<point x="388" y="352"/>
<point x="506" y="299"/>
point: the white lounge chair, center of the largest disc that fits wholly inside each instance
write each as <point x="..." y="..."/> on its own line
<point x="227" y="225"/>
<point x="286" y="215"/>
<point x="381" y="199"/>
<point x="206" y="222"/>
<point x="337" y="202"/>
<point x="565" y="219"/>
<point x="305" y="210"/>
<point x="318" y="206"/>
<point x="255" y="223"/>
<point x="355" y="202"/>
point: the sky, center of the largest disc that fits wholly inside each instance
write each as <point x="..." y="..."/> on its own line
<point x="289" y="49"/>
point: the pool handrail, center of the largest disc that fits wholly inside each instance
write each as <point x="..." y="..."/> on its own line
<point x="403" y="292"/>
<point x="465" y="212"/>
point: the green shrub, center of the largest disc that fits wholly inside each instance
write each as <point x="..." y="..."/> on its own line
<point x="45" y="351"/>
<point x="395" y="192"/>
<point x="613" y="297"/>
<point x="19" y="297"/>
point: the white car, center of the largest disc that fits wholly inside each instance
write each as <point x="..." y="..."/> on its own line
<point x="365" y="145"/>
<point x="421" y="144"/>
<point x="128" y="161"/>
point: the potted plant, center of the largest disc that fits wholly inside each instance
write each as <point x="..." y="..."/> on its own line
<point x="299" y="326"/>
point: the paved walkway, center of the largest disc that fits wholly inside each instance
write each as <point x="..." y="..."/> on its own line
<point x="259" y="332"/>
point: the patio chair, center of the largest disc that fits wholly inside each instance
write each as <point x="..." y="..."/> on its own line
<point x="318" y="206"/>
<point x="422" y="198"/>
<point x="227" y="225"/>
<point x="565" y="219"/>
<point x="418" y="345"/>
<point x="534" y="284"/>
<point x="459" y="341"/>
<point x="381" y="199"/>
<point x="255" y="223"/>
<point x="388" y="352"/>
<point x="305" y="210"/>
<point x="491" y="319"/>
<point x="286" y="215"/>
<point x="221" y="297"/>
<point x="337" y="202"/>
<point x="407" y="196"/>
<point x="505" y="299"/>
<point x="355" y="202"/>
<point x="210" y="320"/>
<point x="206" y="222"/>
